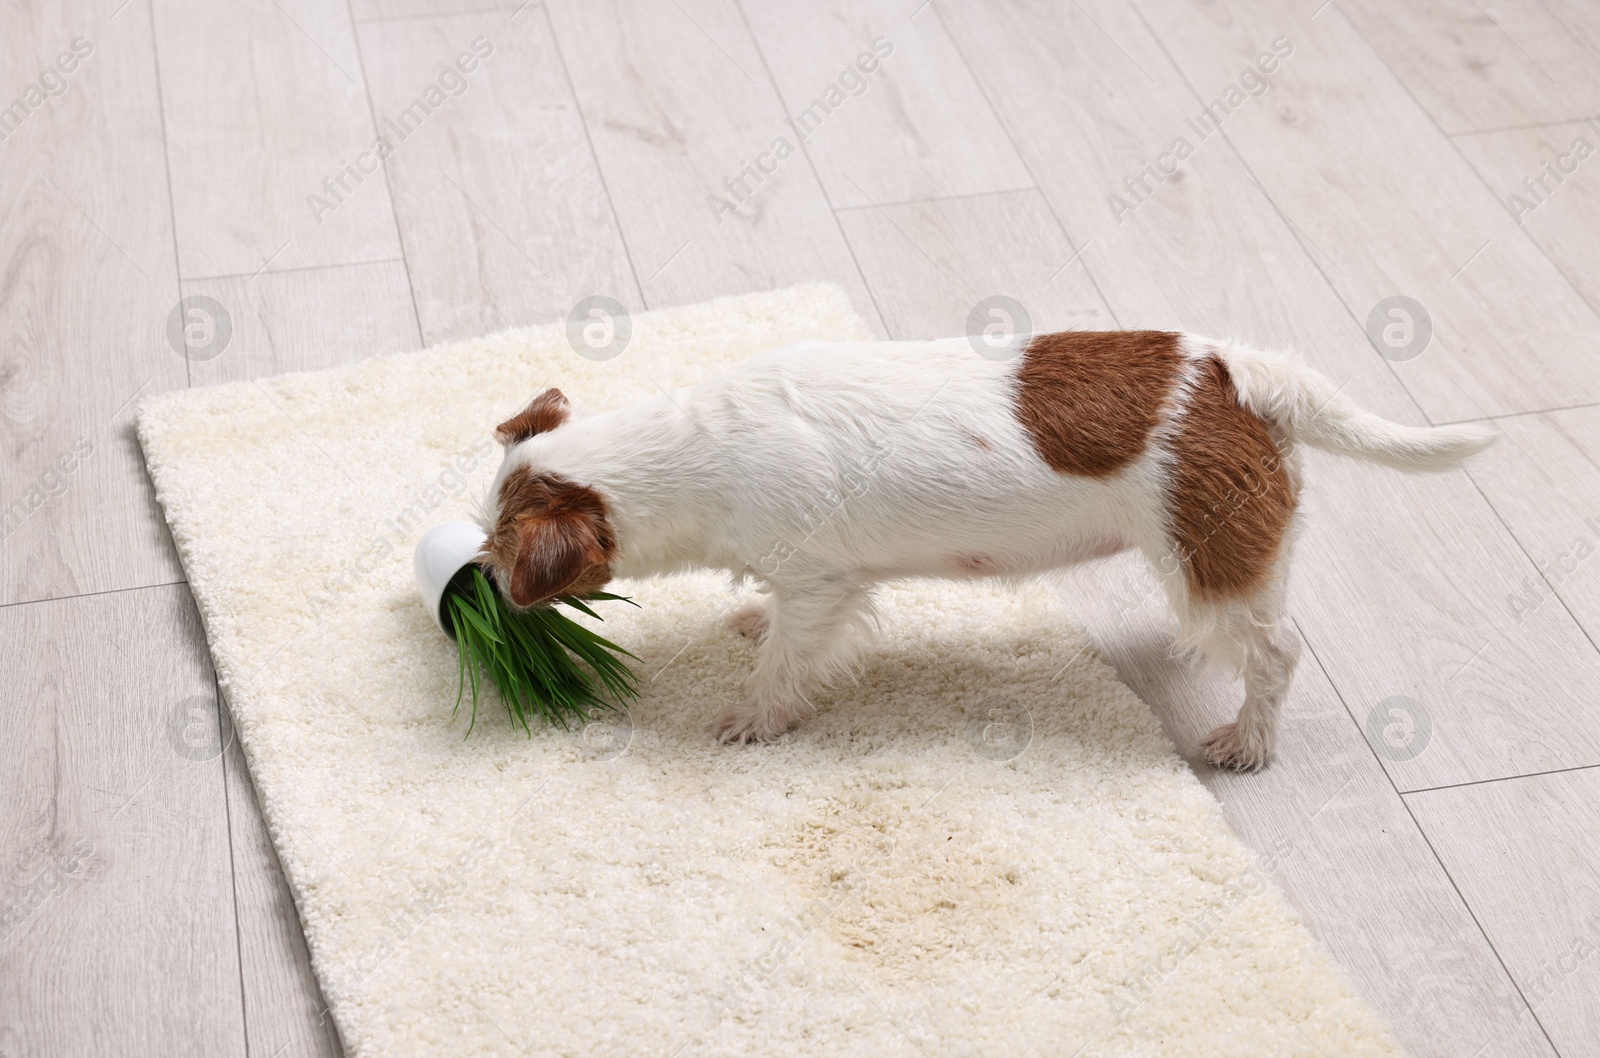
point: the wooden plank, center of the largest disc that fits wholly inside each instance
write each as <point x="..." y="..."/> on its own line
<point x="1083" y="141"/>
<point x="1401" y="576"/>
<point x="1407" y="583"/>
<point x="504" y="215"/>
<point x="306" y="320"/>
<point x="1578" y="22"/>
<point x="89" y="282"/>
<point x="1484" y="64"/>
<point x="260" y="175"/>
<point x="1510" y="848"/>
<point x="677" y="102"/>
<point x="883" y="104"/>
<point x="119" y="932"/>
<point x="1389" y="207"/>
<point x="1338" y="838"/>
<point x="285" y="1013"/>
<point x="1544" y="480"/>
<point x="1558" y="211"/>
<point x="930" y="264"/>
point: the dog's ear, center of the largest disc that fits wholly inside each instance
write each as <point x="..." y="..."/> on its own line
<point x="555" y="549"/>
<point x="545" y="412"/>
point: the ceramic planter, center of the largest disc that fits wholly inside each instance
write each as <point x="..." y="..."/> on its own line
<point x="441" y="554"/>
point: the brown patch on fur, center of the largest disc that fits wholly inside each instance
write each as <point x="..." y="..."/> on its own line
<point x="1232" y="500"/>
<point x="543" y="414"/>
<point x="552" y="538"/>
<point x="1090" y="399"/>
<point x="981" y="442"/>
<point x="974" y="562"/>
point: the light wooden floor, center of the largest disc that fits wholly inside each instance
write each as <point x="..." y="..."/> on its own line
<point x="1456" y="876"/>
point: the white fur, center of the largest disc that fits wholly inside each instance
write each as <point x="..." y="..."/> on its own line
<point x="821" y="469"/>
<point x="1313" y="410"/>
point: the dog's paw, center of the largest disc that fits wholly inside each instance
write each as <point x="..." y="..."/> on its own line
<point x="1238" y="750"/>
<point x="749" y="620"/>
<point x="746" y="722"/>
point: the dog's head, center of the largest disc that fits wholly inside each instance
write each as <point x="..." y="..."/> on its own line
<point x="548" y="535"/>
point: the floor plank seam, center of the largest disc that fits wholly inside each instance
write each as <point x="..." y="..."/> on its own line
<point x="294" y="269"/>
<point x="1532" y="561"/>
<point x="594" y="155"/>
<point x="388" y="178"/>
<point x="166" y="169"/>
<point x="1583" y="119"/>
<point x="1294" y="229"/>
<point x="805" y="152"/>
<point x="233" y="873"/>
<point x="1594" y="310"/>
<point x="1434" y="852"/>
<point x="1529" y="1007"/>
<point x="931" y="199"/>
<point x="90" y="594"/>
<point x="1519" y="414"/>
<point x="1005" y="128"/>
<point x="1500" y="778"/>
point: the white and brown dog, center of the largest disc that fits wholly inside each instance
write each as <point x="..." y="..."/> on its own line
<point x="819" y="470"/>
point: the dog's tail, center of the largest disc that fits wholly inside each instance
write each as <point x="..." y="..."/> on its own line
<point x="1307" y="406"/>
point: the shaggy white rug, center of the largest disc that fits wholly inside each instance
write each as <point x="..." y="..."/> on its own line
<point x="987" y="846"/>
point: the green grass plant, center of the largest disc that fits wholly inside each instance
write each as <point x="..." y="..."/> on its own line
<point x="545" y="665"/>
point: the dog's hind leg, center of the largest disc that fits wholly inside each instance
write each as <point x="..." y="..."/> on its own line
<point x="1254" y="637"/>
<point x="1233" y="484"/>
<point x="811" y="635"/>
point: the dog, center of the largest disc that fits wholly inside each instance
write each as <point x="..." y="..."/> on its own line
<point x="820" y="470"/>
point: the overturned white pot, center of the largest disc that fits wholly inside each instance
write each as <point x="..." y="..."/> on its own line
<point x="441" y="554"/>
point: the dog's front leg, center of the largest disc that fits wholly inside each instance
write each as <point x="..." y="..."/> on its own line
<point x="810" y="639"/>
